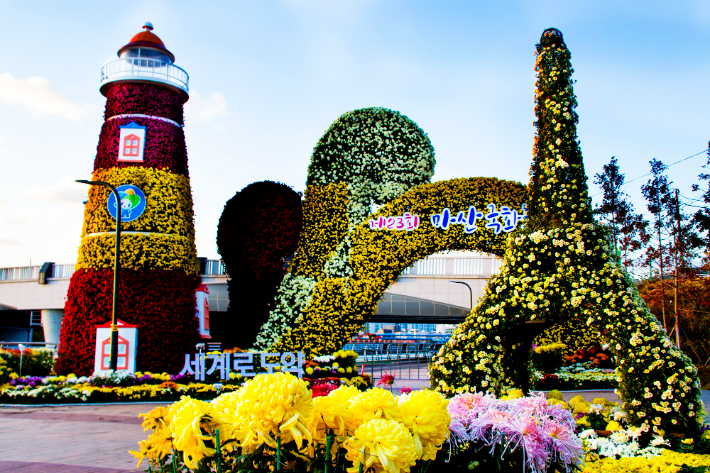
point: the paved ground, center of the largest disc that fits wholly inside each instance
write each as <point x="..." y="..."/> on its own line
<point x="96" y="439"/>
<point x="70" y="439"/>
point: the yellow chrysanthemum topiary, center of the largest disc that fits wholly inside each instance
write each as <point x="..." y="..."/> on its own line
<point x="381" y="445"/>
<point x="139" y="252"/>
<point x="368" y="261"/>
<point x="271" y="405"/>
<point x="561" y="267"/>
<point x="168" y="207"/>
<point x="424" y="413"/>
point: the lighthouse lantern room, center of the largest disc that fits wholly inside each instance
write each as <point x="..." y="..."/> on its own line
<point x="145" y="59"/>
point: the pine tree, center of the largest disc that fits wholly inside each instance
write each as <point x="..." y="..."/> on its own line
<point x="701" y="218"/>
<point x="658" y="200"/>
<point x="618" y="213"/>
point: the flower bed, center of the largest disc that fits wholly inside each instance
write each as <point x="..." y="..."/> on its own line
<point x="569" y="380"/>
<point x="514" y="432"/>
<point x="337" y="370"/>
<point x="35" y="362"/>
<point x="274" y="420"/>
<point x="517" y="433"/>
<point x="667" y="461"/>
<point x="118" y="387"/>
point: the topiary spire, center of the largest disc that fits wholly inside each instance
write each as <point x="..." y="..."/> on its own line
<point x="558" y="183"/>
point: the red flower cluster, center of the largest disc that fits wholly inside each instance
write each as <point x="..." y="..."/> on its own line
<point x="259" y="227"/>
<point x="387" y="379"/>
<point x="548" y="379"/>
<point x="164" y="145"/>
<point x="596" y="355"/>
<point x="323" y="388"/>
<point x="161" y="303"/>
<point x="145" y="99"/>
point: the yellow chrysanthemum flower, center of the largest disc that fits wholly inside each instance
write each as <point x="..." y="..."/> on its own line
<point x="555" y="402"/>
<point x="613" y="426"/>
<point x="158" y="419"/>
<point x="576" y="400"/>
<point x="193" y="423"/>
<point x="226" y="404"/>
<point x="581" y="408"/>
<point x="158" y="445"/>
<point x="375" y="403"/>
<point x="273" y="404"/>
<point x="425" y="415"/>
<point x="383" y="445"/>
<point x="513" y="394"/>
<point x="331" y="413"/>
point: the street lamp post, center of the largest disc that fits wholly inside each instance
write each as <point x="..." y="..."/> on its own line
<point x="469" y="290"/>
<point x="114" y="315"/>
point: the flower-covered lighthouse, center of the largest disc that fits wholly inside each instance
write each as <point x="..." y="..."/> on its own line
<point x="142" y="153"/>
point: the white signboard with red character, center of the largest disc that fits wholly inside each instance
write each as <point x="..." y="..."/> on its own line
<point x="131" y="143"/>
<point x="127" y="347"/>
<point x="203" y="310"/>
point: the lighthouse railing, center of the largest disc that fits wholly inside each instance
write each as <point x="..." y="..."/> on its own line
<point x="142" y="68"/>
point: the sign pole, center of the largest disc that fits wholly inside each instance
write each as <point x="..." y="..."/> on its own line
<point x="117" y="253"/>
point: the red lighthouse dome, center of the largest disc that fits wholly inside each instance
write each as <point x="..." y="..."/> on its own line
<point x="146" y="39"/>
<point x="145" y="59"/>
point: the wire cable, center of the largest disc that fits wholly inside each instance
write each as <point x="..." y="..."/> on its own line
<point x="648" y="174"/>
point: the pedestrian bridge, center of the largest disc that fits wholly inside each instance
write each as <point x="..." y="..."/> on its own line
<point x="437" y="290"/>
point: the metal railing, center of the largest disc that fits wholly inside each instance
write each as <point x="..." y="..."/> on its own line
<point x="62" y="271"/>
<point x="16" y="345"/>
<point x="22" y="273"/>
<point x="143" y="68"/>
<point x="459" y="266"/>
<point x="468" y="265"/>
<point x="215" y="267"/>
<point x="65" y="271"/>
<point x="403" y="360"/>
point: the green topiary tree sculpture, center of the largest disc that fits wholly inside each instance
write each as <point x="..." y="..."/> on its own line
<point x="561" y="267"/>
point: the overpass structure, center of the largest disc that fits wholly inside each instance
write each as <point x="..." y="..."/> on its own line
<point x="438" y="290"/>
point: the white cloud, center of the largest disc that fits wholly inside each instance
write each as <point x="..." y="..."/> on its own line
<point x="38" y="95"/>
<point x="64" y="191"/>
<point x="207" y="109"/>
<point x="9" y="243"/>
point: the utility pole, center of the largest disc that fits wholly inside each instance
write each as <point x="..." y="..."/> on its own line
<point x="676" y="241"/>
<point x="660" y="260"/>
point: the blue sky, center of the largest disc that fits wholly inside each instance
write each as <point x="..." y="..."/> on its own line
<point x="267" y="78"/>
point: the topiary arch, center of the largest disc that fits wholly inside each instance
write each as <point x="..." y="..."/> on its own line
<point x="339" y="306"/>
<point x="560" y="265"/>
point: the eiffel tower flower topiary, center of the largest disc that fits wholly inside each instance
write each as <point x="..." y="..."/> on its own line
<point x="561" y="267"/>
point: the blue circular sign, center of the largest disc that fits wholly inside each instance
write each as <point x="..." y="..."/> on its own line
<point x="132" y="203"/>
